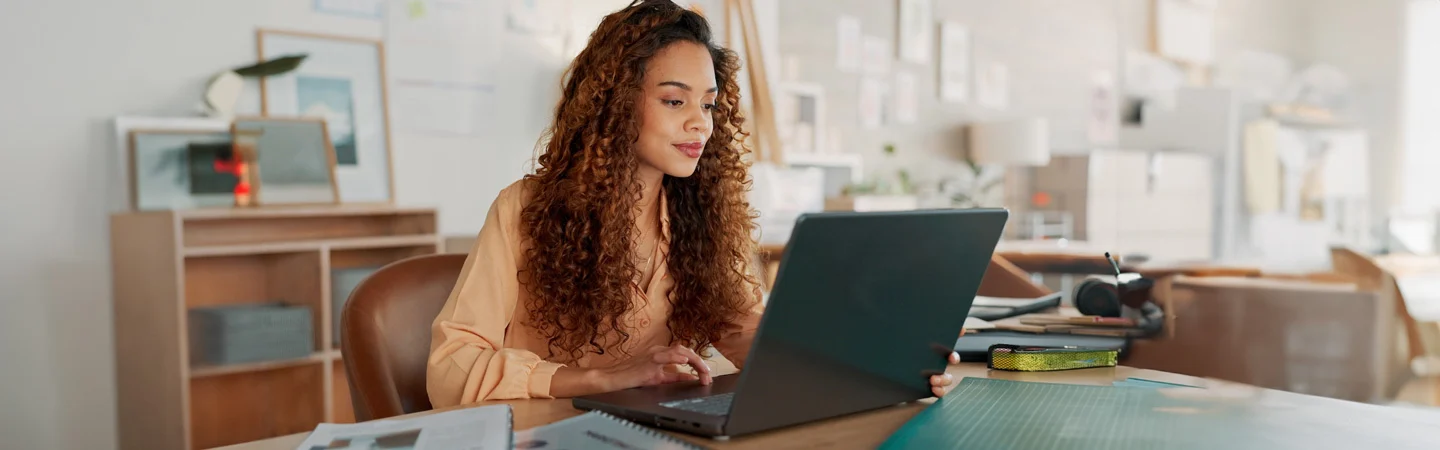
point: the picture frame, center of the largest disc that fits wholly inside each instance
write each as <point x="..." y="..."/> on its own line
<point x="343" y="80"/>
<point x="292" y="160"/>
<point x="955" y="62"/>
<point x="800" y="117"/>
<point x="162" y="169"/>
<point x="916" y="31"/>
<point x="122" y="180"/>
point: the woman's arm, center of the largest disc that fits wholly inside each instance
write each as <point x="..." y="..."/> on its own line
<point x="468" y="359"/>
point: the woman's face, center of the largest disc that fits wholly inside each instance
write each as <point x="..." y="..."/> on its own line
<point x="676" y="109"/>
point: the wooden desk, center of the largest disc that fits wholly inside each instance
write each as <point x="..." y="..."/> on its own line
<point x="859" y="431"/>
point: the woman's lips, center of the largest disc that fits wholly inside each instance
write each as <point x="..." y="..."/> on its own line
<point x="691" y="149"/>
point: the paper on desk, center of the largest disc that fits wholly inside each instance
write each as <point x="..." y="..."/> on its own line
<point x="974" y="323"/>
<point x="1003" y="302"/>
<point x="483" y="428"/>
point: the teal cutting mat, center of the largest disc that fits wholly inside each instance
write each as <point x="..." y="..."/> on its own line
<point x="999" y="415"/>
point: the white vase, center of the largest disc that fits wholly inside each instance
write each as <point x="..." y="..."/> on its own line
<point x="222" y="94"/>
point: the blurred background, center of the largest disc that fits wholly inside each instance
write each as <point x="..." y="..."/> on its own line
<point x="1285" y="145"/>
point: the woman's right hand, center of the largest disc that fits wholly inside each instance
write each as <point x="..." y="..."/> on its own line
<point x="651" y="367"/>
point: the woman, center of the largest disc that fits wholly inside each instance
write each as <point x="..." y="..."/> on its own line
<point x="626" y="251"/>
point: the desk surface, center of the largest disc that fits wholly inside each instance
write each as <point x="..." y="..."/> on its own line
<point x="864" y="430"/>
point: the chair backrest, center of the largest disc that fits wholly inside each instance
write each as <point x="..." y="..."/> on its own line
<point x="385" y="333"/>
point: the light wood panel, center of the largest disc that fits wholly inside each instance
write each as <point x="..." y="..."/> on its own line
<point x="315" y="245"/>
<point x="244" y="407"/>
<point x="150" y="345"/>
<point x="224" y="280"/>
<point x="375" y="257"/>
<point x="343" y="411"/>
<point x="1324" y="339"/>
<point x="287" y="229"/>
<point x="296" y="279"/>
<point x="231" y="369"/>
<point x="278" y="211"/>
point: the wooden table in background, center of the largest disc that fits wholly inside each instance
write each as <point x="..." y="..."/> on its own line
<point x="859" y="431"/>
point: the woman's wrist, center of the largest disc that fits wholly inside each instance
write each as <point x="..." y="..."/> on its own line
<point x="575" y="382"/>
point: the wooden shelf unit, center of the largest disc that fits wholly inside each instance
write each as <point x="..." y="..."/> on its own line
<point x="168" y="262"/>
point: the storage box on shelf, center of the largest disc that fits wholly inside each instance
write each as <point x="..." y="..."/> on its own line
<point x="177" y="274"/>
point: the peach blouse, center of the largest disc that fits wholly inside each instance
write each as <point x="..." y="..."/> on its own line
<point x="481" y="347"/>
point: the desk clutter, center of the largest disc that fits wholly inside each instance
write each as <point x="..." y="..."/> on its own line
<point x="490" y="428"/>
<point x="1143" y="414"/>
<point x="483" y="428"/>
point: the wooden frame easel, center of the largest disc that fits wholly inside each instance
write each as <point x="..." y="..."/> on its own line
<point x="762" y="104"/>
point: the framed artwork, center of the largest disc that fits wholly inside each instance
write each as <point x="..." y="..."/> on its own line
<point x="175" y="169"/>
<point x="917" y="31"/>
<point x="1184" y="30"/>
<point x="954" y="63"/>
<point x="343" y="82"/>
<point x="800" y="116"/>
<point x="293" y="160"/>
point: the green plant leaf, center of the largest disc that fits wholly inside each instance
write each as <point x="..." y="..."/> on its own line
<point x="272" y="67"/>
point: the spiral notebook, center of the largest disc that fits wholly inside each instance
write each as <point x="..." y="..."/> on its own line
<point x="598" y="430"/>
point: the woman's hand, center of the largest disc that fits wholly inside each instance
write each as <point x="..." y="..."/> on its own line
<point x="654" y="366"/>
<point x="941" y="384"/>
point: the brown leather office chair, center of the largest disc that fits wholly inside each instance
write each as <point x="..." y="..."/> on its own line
<point x="385" y="333"/>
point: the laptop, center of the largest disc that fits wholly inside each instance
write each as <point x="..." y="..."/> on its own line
<point x="866" y="307"/>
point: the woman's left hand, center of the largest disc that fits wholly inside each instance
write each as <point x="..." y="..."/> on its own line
<point x="940" y="384"/>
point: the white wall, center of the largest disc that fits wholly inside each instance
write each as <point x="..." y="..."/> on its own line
<point x="1420" y="152"/>
<point x="68" y="68"/>
<point x="1366" y="40"/>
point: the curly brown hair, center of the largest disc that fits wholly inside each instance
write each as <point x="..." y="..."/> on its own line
<point x="579" y="271"/>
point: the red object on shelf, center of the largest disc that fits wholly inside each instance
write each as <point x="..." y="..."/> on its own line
<point x="1041" y="199"/>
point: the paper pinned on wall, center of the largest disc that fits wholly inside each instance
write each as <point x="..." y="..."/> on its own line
<point x="443" y="56"/>
<point x="992" y="86"/>
<point x="917" y="30"/>
<point x="1104" y="123"/>
<point x="954" y="63"/>
<point x="538" y="17"/>
<point x="847" y="44"/>
<point x="1346" y="164"/>
<point x="907" y="107"/>
<point x="364" y="9"/>
<point x="876" y="55"/>
<point x="1185" y="30"/>
<point x="872" y="102"/>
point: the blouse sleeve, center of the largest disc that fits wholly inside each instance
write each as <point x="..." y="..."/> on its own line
<point x="468" y="360"/>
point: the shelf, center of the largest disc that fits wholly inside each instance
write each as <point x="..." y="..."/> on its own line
<point x="303" y="246"/>
<point x="177" y="261"/>
<point x="230" y="369"/>
<point x="273" y="212"/>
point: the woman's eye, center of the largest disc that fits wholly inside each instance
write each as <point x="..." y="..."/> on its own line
<point x="709" y="106"/>
<point x="674" y="103"/>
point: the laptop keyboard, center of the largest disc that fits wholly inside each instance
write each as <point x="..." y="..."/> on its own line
<point x="714" y="405"/>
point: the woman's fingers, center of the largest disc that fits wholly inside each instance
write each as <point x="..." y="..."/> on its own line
<point x="942" y="380"/>
<point x="954" y="358"/>
<point x="701" y="369"/>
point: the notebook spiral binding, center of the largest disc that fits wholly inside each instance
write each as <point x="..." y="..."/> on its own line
<point x="649" y="432"/>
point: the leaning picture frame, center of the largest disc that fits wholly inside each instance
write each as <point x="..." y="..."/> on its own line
<point x="122" y="179"/>
<point x="174" y="169"/>
<point x="291" y="160"/>
<point x="342" y="81"/>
